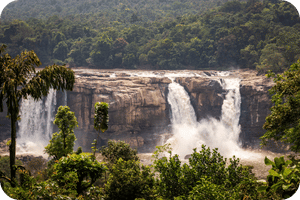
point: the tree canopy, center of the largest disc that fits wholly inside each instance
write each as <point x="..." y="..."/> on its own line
<point x="18" y="79"/>
<point x="159" y="34"/>
<point x="284" y="121"/>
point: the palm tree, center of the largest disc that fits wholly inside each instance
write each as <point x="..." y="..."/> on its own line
<point x="18" y="79"/>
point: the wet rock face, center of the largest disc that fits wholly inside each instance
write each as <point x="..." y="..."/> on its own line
<point x="139" y="111"/>
<point x="206" y="96"/>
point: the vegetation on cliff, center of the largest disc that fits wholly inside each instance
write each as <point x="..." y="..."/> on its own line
<point x="162" y="34"/>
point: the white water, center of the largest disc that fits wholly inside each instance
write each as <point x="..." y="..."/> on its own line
<point x="36" y="124"/>
<point x="222" y="134"/>
<point x="65" y="98"/>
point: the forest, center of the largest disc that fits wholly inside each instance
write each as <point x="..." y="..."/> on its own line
<point x="160" y="34"/>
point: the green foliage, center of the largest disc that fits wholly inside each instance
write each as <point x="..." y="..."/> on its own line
<point x="206" y="166"/>
<point x="23" y="191"/>
<point x="4" y="165"/>
<point x="232" y="6"/>
<point x="119" y="45"/>
<point x="45" y="190"/>
<point x="58" y="62"/>
<point x="55" y="147"/>
<point x="156" y="34"/>
<point x="205" y="189"/>
<point x="283" y="179"/>
<point x="79" y="150"/>
<point x="100" y="121"/>
<point x="101" y="50"/>
<point x="71" y="177"/>
<point x="62" y="143"/>
<point x="250" y="55"/>
<point x="8" y="142"/>
<point x="116" y="150"/>
<point x="129" y="60"/>
<point x="60" y="51"/>
<point x="101" y="116"/>
<point x="18" y="79"/>
<point x="37" y="167"/>
<point x="78" y="172"/>
<point x="284" y="121"/>
<point x="127" y="180"/>
<point x="271" y="59"/>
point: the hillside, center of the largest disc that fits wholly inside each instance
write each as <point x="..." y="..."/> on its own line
<point x="155" y="35"/>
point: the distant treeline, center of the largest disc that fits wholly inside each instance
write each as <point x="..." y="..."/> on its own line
<point x="158" y="34"/>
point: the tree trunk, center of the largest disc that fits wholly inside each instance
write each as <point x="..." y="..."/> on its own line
<point x="12" y="147"/>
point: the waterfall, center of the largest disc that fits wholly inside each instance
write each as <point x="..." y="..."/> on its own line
<point x="189" y="134"/>
<point x="184" y="123"/>
<point x="36" y="124"/>
<point x="65" y="98"/>
<point x="182" y="110"/>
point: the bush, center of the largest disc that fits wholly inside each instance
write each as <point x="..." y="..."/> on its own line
<point x="116" y="150"/>
<point x="283" y="179"/>
<point x="38" y="168"/>
<point x="4" y="165"/>
<point x="128" y="181"/>
<point x="81" y="169"/>
<point x="79" y="150"/>
<point x="205" y="189"/>
<point x="206" y="166"/>
<point x="71" y="176"/>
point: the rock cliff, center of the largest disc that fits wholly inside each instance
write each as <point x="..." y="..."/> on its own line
<point x="139" y="112"/>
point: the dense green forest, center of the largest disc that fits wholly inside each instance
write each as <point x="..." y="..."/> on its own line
<point x="160" y="34"/>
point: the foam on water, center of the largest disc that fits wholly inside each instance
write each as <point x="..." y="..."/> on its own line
<point x="222" y="134"/>
<point x="36" y="126"/>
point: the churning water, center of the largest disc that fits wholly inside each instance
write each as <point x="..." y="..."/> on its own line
<point x="223" y="134"/>
<point x="36" y="125"/>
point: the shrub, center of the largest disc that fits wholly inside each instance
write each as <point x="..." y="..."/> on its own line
<point x="4" y="165"/>
<point x="82" y="169"/>
<point x="283" y="179"/>
<point x="205" y="189"/>
<point x="128" y="181"/>
<point x="38" y="168"/>
<point x="116" y="150"/>
<point x="206" y="166"/>
<point x="79" y="150"/>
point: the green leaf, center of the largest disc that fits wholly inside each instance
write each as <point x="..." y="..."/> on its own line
<point x="8" y="142"/>
<point x="268" y="161"/>
<point x="262" y="188"/>
<point x="273" y="173"/>
<point x="279" y="162"/>
<point x="286" y="172"/>
<point x="285" y="187"/>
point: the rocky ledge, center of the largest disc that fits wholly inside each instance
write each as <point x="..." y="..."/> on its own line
<point x="139" y="111"/>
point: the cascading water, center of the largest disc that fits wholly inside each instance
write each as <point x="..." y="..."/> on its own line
<point x="65" y="97"/>
<point x="36" y="124"/>
<point x="222" y="134"/>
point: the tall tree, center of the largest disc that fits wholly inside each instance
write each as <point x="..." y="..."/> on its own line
<point x="62" y="143"/>
<point x="100" y="120"/>
<point x="284" y="121"/>
<point x="18" y="79"/>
